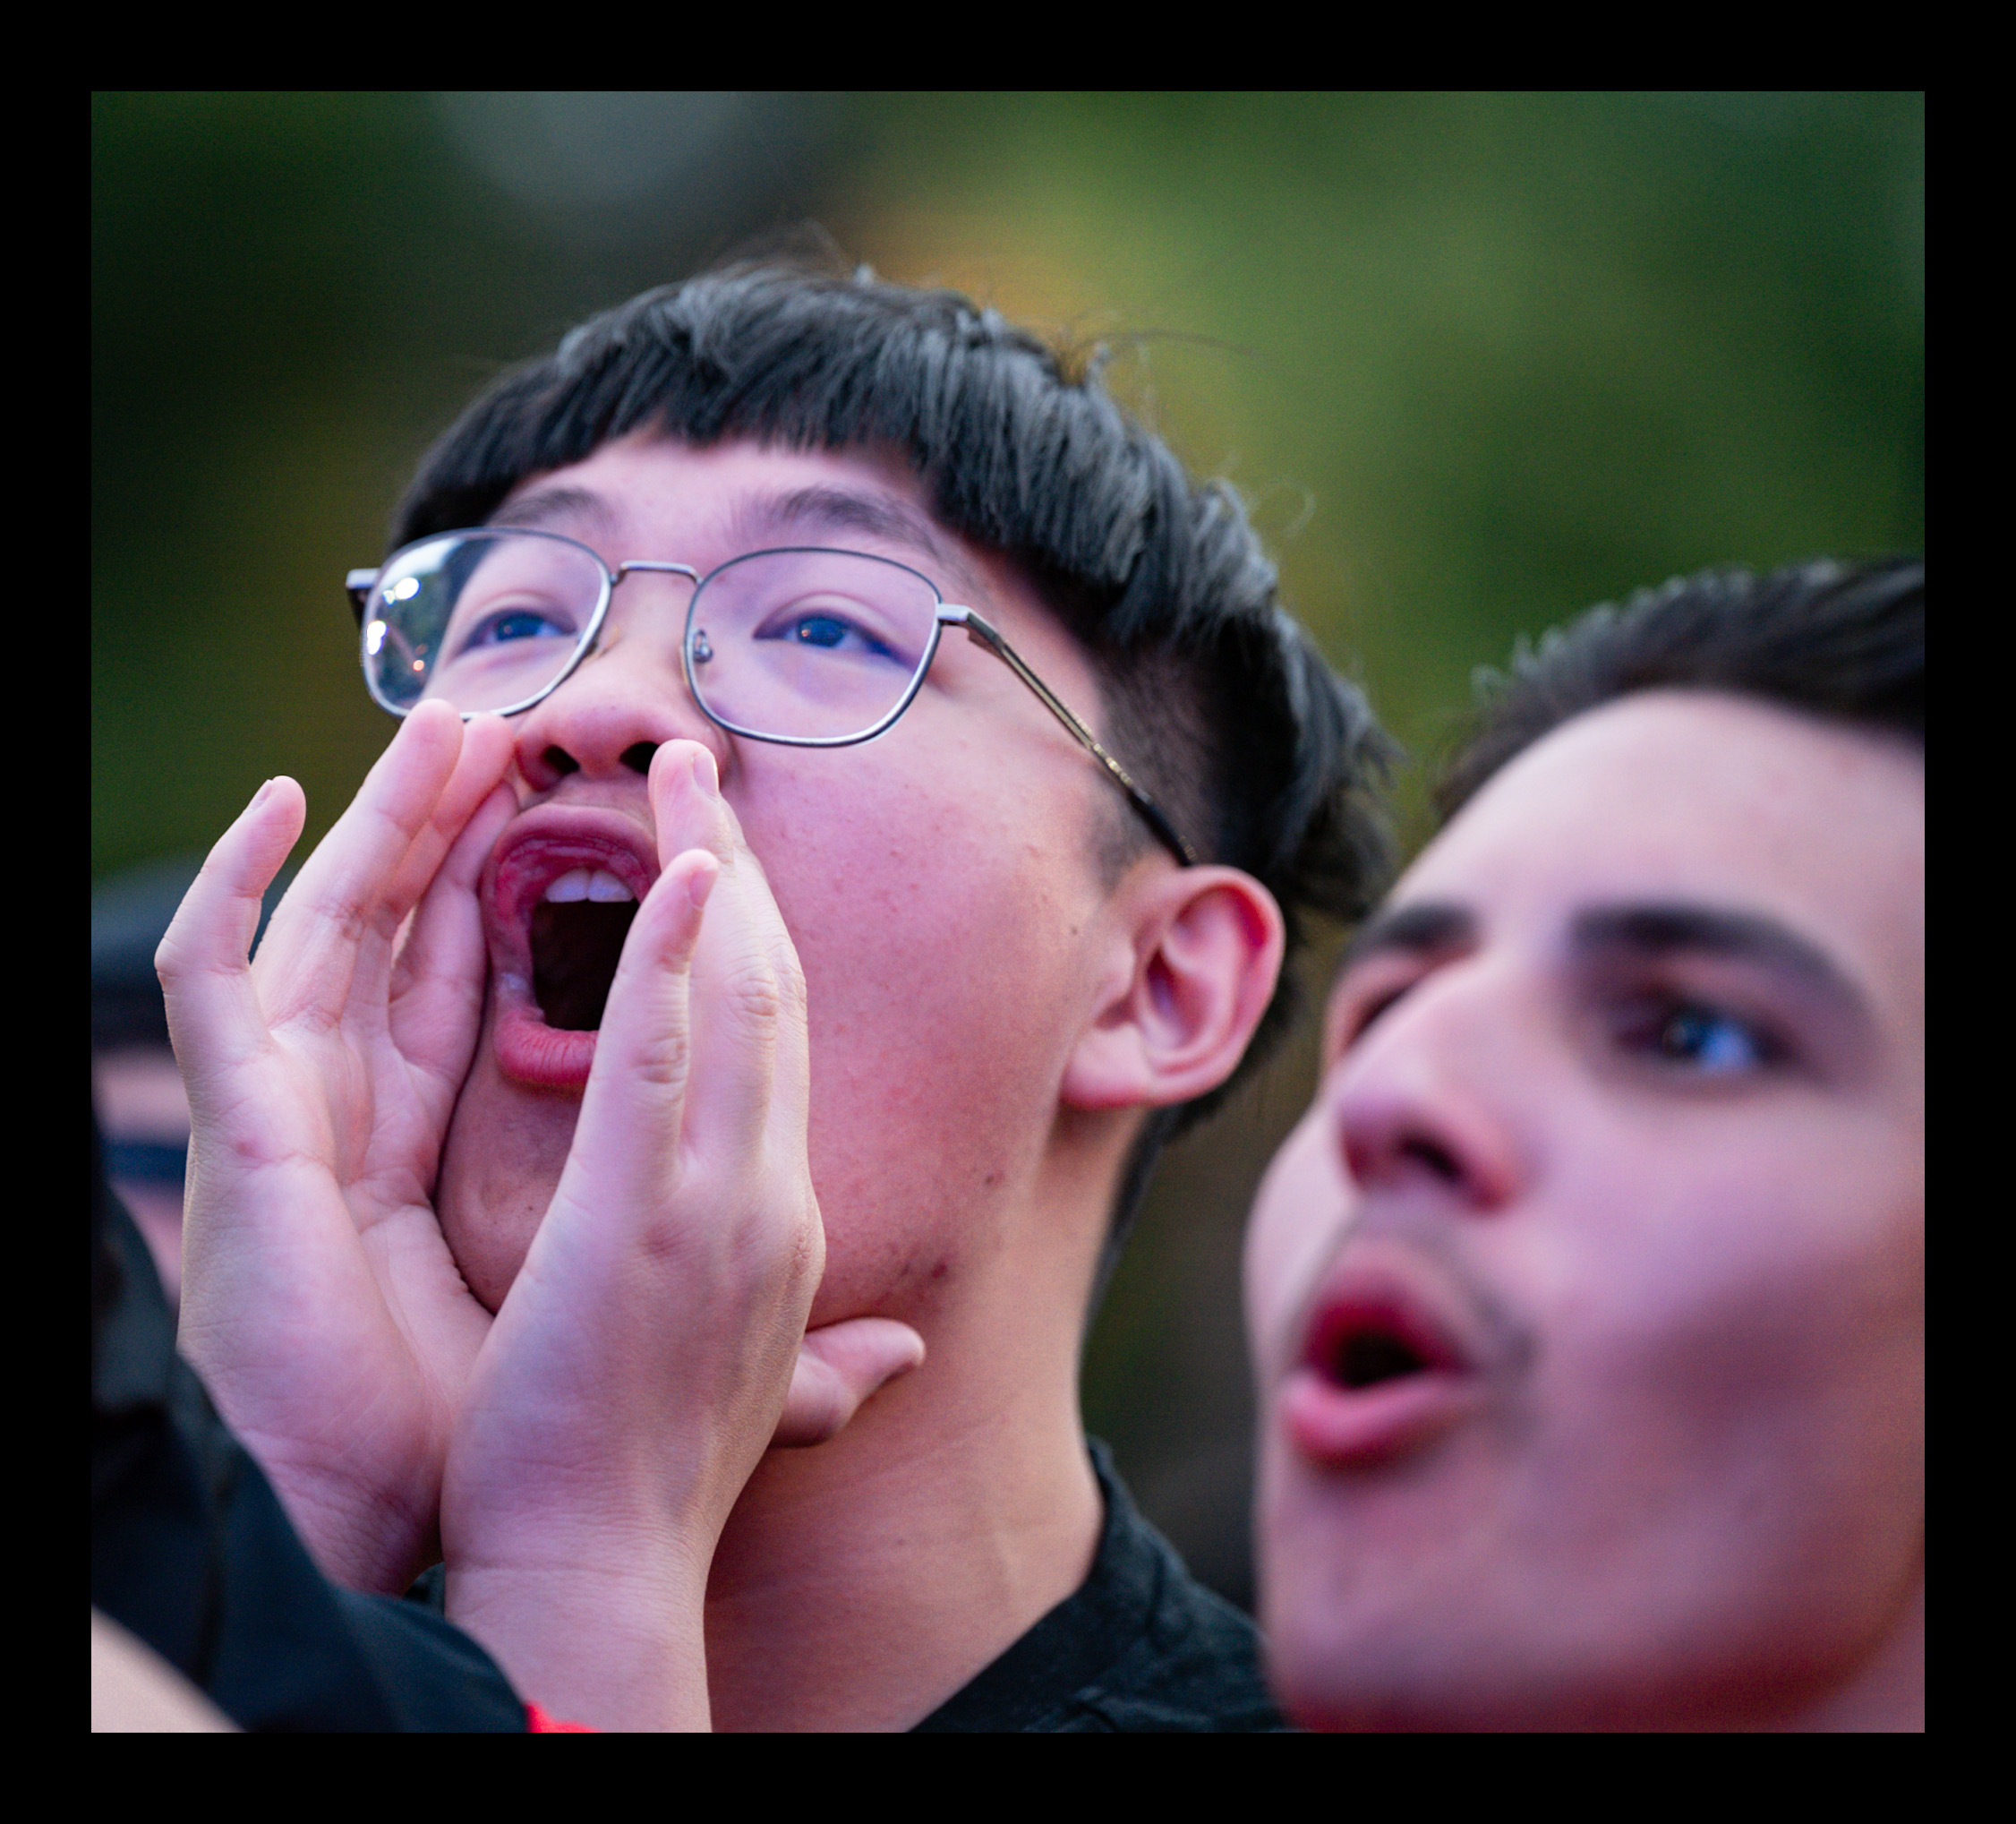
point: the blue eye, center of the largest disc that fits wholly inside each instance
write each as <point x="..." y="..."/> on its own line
<point x="1708" y="1040"/>
<point x="515" y="624"/>
<point x="821" y="630"/>
<point x="827" y="633"/>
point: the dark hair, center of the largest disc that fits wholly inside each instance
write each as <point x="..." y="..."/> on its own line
<point x="1213" y="697"/>
<point x="1845" y="641"/>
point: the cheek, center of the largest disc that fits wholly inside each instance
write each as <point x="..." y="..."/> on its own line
<point x="940" y="980"/>
<point x="1735" y="1328"/>
<point x="1762" y="1249"/>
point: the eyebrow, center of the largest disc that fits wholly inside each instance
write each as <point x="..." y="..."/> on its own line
<point x="1665" y="929"/>
<point x="544" y="507"/>
<point x="843" y="509"/>
<point x="1429" y="928"/>
<point x="758" y="518"/>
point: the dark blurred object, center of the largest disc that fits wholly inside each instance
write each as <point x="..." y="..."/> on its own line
<point x="192" y="1552"/>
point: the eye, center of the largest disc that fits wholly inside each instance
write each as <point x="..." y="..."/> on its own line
<point x="824" y="631"/>
<point x="1696" y="1036"/>
<point x="511" y="624"/>
<point x="1366" y="1015"/>
<point x="1353" y="1014"/>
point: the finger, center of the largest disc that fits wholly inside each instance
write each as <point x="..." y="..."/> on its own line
<point x="626" y="1142"/>
<point x="748" y="1027"/>
<point x="488" y="748"/>
<point x="214" y="1017"/>
<point x="838" y="1368"/>
<point x="439" y="978"/>
<point x="310" y="953"/>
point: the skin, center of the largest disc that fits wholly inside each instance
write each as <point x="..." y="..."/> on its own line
<point x="963" y="1129"/>
<point x="1679" y="1482"/>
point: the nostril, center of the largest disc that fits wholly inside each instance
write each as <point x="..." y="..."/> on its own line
<point x="1438" y="1161"/>
<point x="560" y="761"/>
<point x="636" y="757"/>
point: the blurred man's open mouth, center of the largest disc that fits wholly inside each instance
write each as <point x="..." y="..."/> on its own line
<point x="561" y="891"/>
<point x="1385" y="1367"/>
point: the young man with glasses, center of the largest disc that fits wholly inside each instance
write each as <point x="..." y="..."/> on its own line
<point x="1589" y="1298"/>
<point x="851" y="606"/>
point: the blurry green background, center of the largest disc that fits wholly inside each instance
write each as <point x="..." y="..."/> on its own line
<point x="1475" y="361"/>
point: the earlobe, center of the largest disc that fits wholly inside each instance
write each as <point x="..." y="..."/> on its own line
<point x="1206" y="947"/>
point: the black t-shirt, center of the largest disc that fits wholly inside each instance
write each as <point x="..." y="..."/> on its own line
<point x="1141" y="1647"/>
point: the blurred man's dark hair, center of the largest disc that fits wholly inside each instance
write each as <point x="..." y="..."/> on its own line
<point x="1843" y="641"/>
<point x="1213" y="697"/>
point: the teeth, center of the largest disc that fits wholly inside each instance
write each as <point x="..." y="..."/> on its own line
<point x="600" y="884"/>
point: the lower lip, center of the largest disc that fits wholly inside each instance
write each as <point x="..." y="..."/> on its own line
<point x="534" y="1052"/>
<point x="1345" y="1428"/>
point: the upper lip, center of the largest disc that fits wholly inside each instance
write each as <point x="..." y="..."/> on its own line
<point x="552" y="840"/>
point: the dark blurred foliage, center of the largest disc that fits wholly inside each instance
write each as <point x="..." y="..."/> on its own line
<point x="1477" y="361"/>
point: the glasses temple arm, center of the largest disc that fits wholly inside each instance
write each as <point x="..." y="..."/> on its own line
<point x="357" y="585"/>
<point x="981" y="634"/>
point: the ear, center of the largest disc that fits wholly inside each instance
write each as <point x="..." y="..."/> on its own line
<point x="1199" y="952"/>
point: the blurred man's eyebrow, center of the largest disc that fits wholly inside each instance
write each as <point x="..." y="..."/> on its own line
<point x="1664" y="929"/>
<point x="1424" y="930"/>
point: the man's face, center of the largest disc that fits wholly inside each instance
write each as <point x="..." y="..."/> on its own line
<point x="938" y="881"/>
<point x="1588" y="1298"/>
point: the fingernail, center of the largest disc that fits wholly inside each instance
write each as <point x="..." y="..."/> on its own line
<point x="261" y="795"/>
<point x="705" y="774"/>
<point x="702" y="883"/>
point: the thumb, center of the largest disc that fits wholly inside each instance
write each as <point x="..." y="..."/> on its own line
<point x="838" y="1368"/>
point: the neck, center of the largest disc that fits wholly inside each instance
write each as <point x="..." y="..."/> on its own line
<point x="859" y="1584"/>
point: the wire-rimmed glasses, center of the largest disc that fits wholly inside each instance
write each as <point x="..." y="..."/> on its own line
<point x="806" y="646"/>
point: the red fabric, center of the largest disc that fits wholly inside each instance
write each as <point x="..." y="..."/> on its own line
<point x="538" y="1723"/>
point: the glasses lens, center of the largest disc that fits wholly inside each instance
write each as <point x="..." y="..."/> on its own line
<point x="808" y="645"/>
<point x="482" y="619"/>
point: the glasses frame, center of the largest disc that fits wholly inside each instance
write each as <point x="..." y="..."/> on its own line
<point x="361" y="584"/>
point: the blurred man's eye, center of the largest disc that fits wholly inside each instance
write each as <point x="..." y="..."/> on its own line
<point x="1698" y="1038"/>
<point x="1353" y="1014"/>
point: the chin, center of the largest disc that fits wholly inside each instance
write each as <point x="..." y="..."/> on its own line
<point x="507" y="1145"/>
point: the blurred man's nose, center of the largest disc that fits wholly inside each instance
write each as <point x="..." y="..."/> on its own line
<point x="1426" y="1102"/>
<point x="625" y="700"/>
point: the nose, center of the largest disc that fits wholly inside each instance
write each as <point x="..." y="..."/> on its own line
<point x="625" y="700"/>
<point x="1427" y="1102"/>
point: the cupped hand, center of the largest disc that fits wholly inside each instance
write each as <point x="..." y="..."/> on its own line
<point x="321" y="1305"/>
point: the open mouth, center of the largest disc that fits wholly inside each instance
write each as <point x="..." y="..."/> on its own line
<point x="1371" y="1341"/>
<point x="577" y="933"/>
<point x="563" y="890"/>
<point x="1383" y="1369"/>
<point x="1370" y="1357"/>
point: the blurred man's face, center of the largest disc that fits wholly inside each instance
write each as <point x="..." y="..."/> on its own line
<point x="1588" y="1298"/>
<point x="939" y="882"/>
